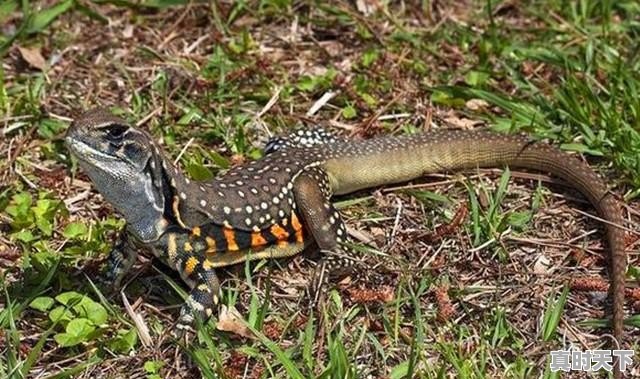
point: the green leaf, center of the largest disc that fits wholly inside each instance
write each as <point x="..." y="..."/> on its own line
<point x="306" y="83"/>
<point x="49" y="128"/>
<point x="349" y="112"/>
<point x="400" y="371"/>
<point x="69" y="298"/>
<point x="78" y="330"/>
<point x="634" y="272"/>
<point x="153" y="367"/>
<point x="74" y="230"/>
<point x="25" y="236"/>
<point x="46" y="16"/>
<point x="44" y="207"/>
<point x="80" y="327"/>
<point x="44" y="211"/>
<point x="67" y="340"/>
<point x="42" y="303"/>
<point x="45" y="226"/>
<point x="312" y="83"/>
<point x="519" y="219"/>
<point x="44" y="261"/>
<point x="201" y="359"/>
<point x="124" y="342"/>
<point x="92" y="310"/>
<point x="370" y="100"/>
<point x="20" y="205"/>
<point x="476" y="78"/>
<point x="60" y="314"/>
<point x="369" y="57"/>
<point x="446" y="98"/>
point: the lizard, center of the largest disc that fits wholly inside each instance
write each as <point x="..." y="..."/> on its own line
<point x="277" y="205"/>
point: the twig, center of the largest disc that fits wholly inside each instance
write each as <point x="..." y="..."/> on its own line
<point x="321" y="102"/>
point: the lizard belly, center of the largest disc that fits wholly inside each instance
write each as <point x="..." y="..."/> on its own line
<point x="228" y="258"/>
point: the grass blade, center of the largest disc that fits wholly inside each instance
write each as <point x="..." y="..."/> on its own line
<point x="42" y="19"/>
<point x="553" y="314"/>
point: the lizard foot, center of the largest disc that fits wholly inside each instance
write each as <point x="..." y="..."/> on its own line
<point x="332" y="265"/>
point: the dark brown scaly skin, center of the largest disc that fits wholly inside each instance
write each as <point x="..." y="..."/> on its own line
<point x="277" y="205"/>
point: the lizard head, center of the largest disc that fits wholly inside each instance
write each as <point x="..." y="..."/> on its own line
<point x="125" y="167"/>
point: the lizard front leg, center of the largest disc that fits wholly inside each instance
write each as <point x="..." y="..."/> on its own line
<point x="202" y="299"/>
<point x="188" y="256"/>
<point x="312" y="195"/>
<point x="120" y="260"/>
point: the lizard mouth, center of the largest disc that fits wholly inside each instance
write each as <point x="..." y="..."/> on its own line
<point x="86" y="153"/>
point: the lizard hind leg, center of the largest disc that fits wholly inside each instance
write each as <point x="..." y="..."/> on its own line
<point x="312" y="194"/>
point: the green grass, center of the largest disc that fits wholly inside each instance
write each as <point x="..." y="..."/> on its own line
<point x="563" y="71"/>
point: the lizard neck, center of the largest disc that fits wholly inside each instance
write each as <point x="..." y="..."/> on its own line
<point x="140" y="197"/>
<point x="181" y="194"/>
<point x="164" y="201"/>
<point x="147" y="205"/>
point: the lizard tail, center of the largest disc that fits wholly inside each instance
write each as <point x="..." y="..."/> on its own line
<point x="397" y="159"/>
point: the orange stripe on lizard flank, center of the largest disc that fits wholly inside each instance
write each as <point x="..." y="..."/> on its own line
<point x="207" y="264"/>
<point x="257" y="239"/>
<point x="295" y="222"/>
<point x="230" y="236"/>
<point x="279" y="232"/>
<point x="211" y="245"/>
<point x="190" y="265"/>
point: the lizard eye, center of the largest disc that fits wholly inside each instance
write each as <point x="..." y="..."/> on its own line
<point x="115" y="132"/>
